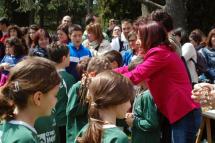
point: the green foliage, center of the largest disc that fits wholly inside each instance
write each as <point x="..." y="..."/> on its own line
<point x="1" y="8"/>
<point x="46" y="12"/>
<point x="119" y="9"/>
<point x="200" y="14"/>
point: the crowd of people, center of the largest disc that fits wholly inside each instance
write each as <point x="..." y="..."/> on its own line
<point x="138" y="81"/>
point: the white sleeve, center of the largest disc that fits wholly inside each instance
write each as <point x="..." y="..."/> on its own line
<point x="188" y="52"/>
<point x="115" y="44"/>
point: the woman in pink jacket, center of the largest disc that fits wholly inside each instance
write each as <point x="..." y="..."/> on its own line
<point x="168" y="81"/>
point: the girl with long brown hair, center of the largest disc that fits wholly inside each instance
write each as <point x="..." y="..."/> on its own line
<point x="32" y="84"/>
<point x="77" y="106"/>
<point x="110" y="94"/>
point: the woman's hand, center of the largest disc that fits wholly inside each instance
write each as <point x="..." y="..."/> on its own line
<point x="204" y="93"/>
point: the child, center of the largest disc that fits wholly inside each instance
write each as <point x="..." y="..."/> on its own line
<point x="48" y="126"/>
<point x="77" y="106"/>
<point x="15" y="31"/>
<point x="134" y="48"/>
<point x="115" y="58"/>
<point x="77" y="50"/>
<point x="63" y="34"/>
<point x="32" y="84"/>
<point x="110" y="94"/>
<point x="41" y="41"/>
<point x="31" y="35"/>
<point x="144" y="118"/>
<point x="14" y="53"/>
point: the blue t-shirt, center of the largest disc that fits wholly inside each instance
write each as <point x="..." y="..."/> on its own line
<point x="127" y="56"/>
<point x="12" y="60"/>
<point x="76" y="55"/>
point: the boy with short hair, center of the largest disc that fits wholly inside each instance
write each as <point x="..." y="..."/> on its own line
<point x="58" y="53"/>
<point x="77" y="50"/>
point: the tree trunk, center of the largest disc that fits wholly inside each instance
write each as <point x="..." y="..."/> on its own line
<point x="177" y="9"/>
<point x="144" y="9"/>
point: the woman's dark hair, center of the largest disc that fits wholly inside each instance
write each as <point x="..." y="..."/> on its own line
<point x="18" y="47"/>
<point x="210" y="35"/>
<point x="152" y="34"/>
<point x="39" y="34"/>
<point x="18" y="30"/>
<point x="107" y="89"/>
<point x="182" y="34"/>
<point x="162" y="17"/>
<point x="195" y="36"/>
<point x="26" y="78"/>
<point x="30" y="41"/>
<point x="64" y="28"/>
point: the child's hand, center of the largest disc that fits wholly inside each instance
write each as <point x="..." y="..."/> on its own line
<point x="6" y="66"/>
<point x="129" y="118"/>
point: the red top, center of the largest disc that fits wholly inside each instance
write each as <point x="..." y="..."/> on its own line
<point x="3" y="38"/>
<point x="168" y="82"/>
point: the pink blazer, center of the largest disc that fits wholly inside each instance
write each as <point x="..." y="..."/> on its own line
<point x="168" y="81"/>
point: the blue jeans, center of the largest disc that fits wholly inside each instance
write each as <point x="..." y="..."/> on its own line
<point x="185" y="130"/>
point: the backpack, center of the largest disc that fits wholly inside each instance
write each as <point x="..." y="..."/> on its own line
<point x="201" y="64"/>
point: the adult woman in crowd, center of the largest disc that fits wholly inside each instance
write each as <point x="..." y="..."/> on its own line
<point x="209" y="54"/>
<point x="168" y="82"/>
<point x="95" y="40"/>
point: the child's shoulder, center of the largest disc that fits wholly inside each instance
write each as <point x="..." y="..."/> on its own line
<point x="111" y="133"/>
<point x="77" y="85"/>
<point x="114" y="134"/>
<point x="66" y="76"/>
<point x="145" y="95"/>
<point x="18" y="132"/>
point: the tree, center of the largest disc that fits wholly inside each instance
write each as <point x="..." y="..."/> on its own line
<point x="119" y="9"/>
<point x="44" y="12"/>
<point x="188" y="14"/>
<point x="176" y="8"/>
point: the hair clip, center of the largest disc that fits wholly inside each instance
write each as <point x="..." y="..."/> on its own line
<point x="93" y="104"/>
<point x="16" y="86"/>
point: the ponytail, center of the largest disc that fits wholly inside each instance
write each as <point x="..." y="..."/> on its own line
<point x="84" y="88"/>
<point x="94" y="131"/>
<point x="7" y="105"/>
